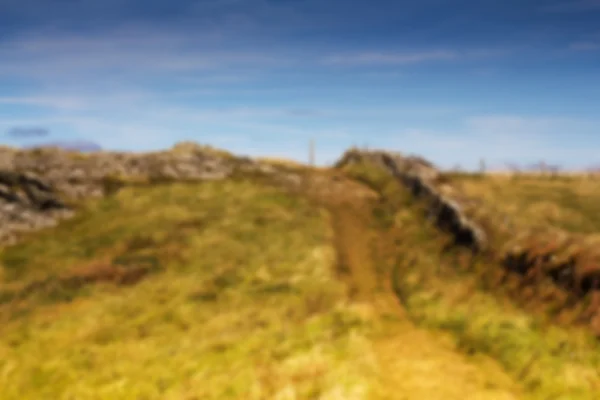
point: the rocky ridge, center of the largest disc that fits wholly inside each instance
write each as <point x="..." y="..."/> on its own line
<point x="38" y="187"/>
<point x="570" y="261"/>
<point x="423" y="179"/>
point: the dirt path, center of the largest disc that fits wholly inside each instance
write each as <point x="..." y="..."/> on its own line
<point x="353" y="252"/>
<point x="414" y="363"/>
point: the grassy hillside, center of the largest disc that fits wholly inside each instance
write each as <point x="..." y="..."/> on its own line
<point x="238" y="301"/>
<point x="238" y="289"/>
<point x="452" y="291"/>
<point x="569" y="202"/>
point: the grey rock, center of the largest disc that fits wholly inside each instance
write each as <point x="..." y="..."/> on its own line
<point x="37" y="184"/>
<point x="420" y="177"/>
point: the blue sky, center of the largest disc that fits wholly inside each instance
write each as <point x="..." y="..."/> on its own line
<point x="507" y="81"/>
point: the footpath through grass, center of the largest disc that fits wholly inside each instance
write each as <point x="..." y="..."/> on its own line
<point x="240" y="302"/>
<point x="232" y="290"/>
<point x="452" y="292"/>
<point x="236" y="293"/>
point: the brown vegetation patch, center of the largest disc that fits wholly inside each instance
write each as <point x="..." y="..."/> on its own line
<point x="121" y="271"/>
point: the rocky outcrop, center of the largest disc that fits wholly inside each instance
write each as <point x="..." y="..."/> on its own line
<point x="37" y="186"/>
<point x="423" y="180"/>
<point x="571" y="261"/>
<point x="27" y="203"/>
<point x="76" y="175"/>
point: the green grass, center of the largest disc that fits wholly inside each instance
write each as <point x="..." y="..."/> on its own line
<point x="242" y="304"/>
<point x="441" y="292"/>
<point x="239" y="301"/>
<point x="571" y="203"/>
<point x="552" y="362"/>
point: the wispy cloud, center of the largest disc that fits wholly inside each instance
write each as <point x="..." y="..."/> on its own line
<point x="573" y="6"/>
<point x="411" y="57"/>
<point x="52" y="102"/>
<point x="367" y="58"/>
<point x="304" y="112"/>
<point x="126" y="54"/>
<point x="78" y="145"/>
<point x="205" y="56"/>
<point x="584" y="46"/>
<point x="139" y="104"/>
<point x="126" y="122"/>
<point x="145" y="125"/>
<point x="27" y="132"/>
<point x="498" y="125"/>
<point x="501" y="139"/>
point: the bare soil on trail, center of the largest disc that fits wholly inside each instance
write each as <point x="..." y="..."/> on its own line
<point x="414" y="363"/>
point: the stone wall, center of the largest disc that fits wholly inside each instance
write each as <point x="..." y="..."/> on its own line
<point x="570" y="260"/>
<point x="423" y="180"/>
<point x="39" y="187"/>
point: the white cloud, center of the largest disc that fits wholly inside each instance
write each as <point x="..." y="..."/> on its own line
<point x="502" y="138"/>
<point x="392" y="58"/>
<point x="94" y="85"/>
<point x="137" y="103"/>
<point x="499" y="125"/>
<point x="411" y="57"/>
<point x="128" y="53"/>
<point x="210" y="54"/>
<point x="585" y="46"/>
<point x="130" y="121"/>
<point x="51" y="102"/>
<point x="144" y="124"/>
<point x="572" y="6"/>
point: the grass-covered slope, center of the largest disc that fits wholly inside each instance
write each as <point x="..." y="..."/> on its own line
<point x="236" y="289"/>
<point x="234" y="298"/>
<point x="569" y="202"/>
<point x="450" y="290"/>
<point x="217" y="290"/>
<point x="517" y="247"/>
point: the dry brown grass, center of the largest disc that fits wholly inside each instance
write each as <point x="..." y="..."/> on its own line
<point x="543" y="227"/>
<point x="281" y="162"/>
<point x="241" y="304"/>
<point x="568" y="202"/>
<point x="525" y="325"/>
